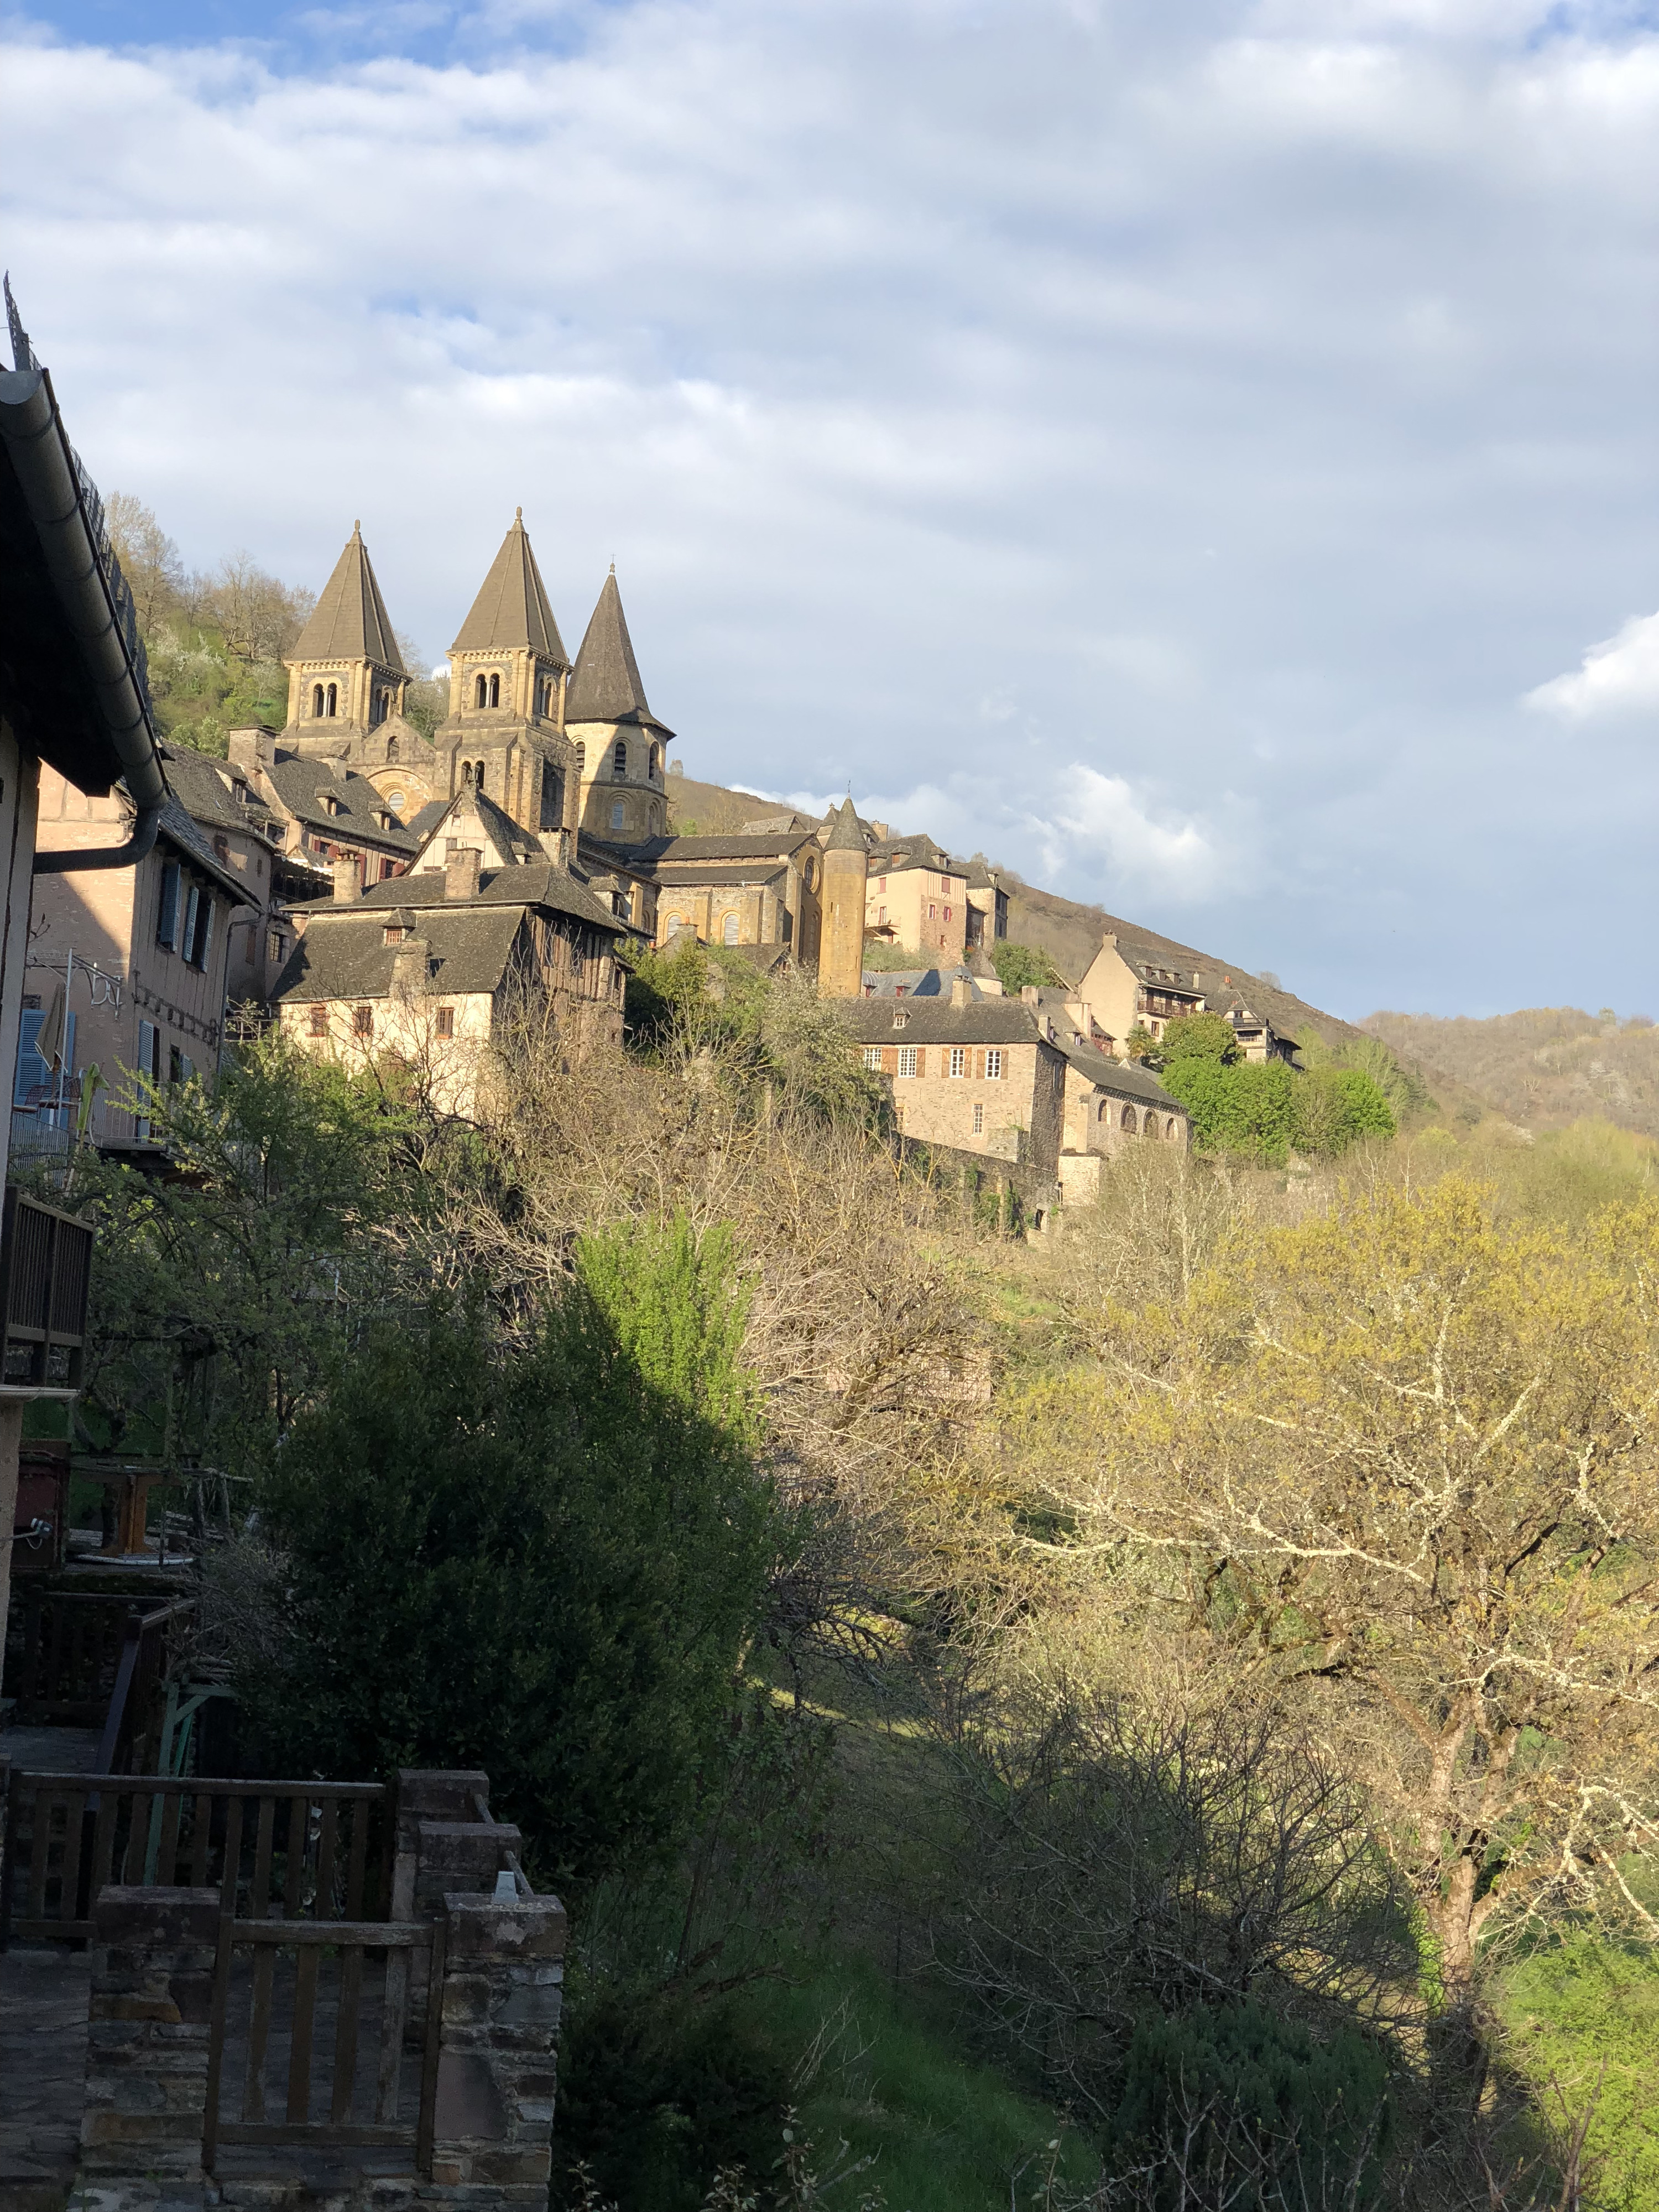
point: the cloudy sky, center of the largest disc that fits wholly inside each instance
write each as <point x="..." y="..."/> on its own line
<point x="1202" y="455"/>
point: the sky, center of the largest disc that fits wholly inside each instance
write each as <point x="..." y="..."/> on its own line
<point x="1202" y="457"/>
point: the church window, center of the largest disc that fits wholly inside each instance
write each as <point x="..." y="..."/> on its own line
<point x="994" y="1066"/>
<point x="1105" y="1109"/>
<point x="332" y="701"/>
<point x="729" y="930"/>
<point x="481" y="692"/>
<point x="317" y="699"/>
<point x="446" y="1022"/>
<point x="618" y="814"/>
<point x="495" y="690"/>
<point x="979" y="1120"/>
<point x="619" y="757"/>
<point x="655" y="819"/>
<point x="656" y="759"/>
<point x="958" y="1059"/>
<point x="906" y="1060"/>
<point x="396" y="800"/>
<point x="1128" y="1121"/>
<point x="674" y="921"/>
<point x="363" y="1021"/>
<point x="392" y="748"/>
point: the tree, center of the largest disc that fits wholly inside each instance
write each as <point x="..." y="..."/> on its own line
<point x="1200" y="1036"/>
<point x="1017" y="965"/>
<point x="1249" y="1109"/>
<point x="260" y="617"/>
<point x="149" y="559"/>
<point x="1337" y="1107"/>
<point x="1400" y="1461"/>
<point x="569" y="1533"/>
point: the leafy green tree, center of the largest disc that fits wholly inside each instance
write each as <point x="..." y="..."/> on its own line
<point x="1017" y="965"/>
<point x="1249" y="1109"/>
<point x="546" y="1559"/>
<point x="1336" y="1107"/>
<point x="1200" y="1036"/>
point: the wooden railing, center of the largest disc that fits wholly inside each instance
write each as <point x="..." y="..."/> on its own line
<point x="307" y="1849"/>
<point x="66" y="1651"/>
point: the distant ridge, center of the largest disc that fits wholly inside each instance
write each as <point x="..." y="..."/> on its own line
<point x="1543" y="1067"/>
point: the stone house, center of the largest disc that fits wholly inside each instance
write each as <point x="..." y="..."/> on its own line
<point x="917" y="896"/>
<point x="433" y="966"/>
<point x="1138" y="979"/>
<point x="319" y="809"/>
<point x="1008" y="1079"/>
<point x="128" y="969"/>
<point x="754" y="890"/>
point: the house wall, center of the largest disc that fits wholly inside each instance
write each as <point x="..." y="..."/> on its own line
<point x="1095" y="1119"/>
<point x="108" y="916"/>
<point x="407" y="1027"/>
<point x="927" y="908"/>
<point x="1018" y="1113"/>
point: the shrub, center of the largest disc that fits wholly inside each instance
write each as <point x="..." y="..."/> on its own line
<point x="1336" y="1107"/>
<point x="545" y="1561"/>
<point x="1249" y="1109"/>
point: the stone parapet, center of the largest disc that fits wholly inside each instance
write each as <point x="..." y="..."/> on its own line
<point x="497" y="2061"/>
<point x="147" y="2044"/>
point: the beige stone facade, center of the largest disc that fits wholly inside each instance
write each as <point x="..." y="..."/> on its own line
<point x="1148" y="981"/>
<point x="923" y="907"/>
<point x="754" y="889"/>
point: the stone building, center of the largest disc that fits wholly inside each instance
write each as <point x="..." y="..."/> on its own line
<point x="740" y="891"/>
<point x="620" y="749"/>
<point x="917" y="896"/>
<point x="842" y="904"/>
<point x="1137" y="979"/>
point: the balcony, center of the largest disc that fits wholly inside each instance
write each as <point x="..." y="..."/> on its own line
<point x="46" y="1280"/>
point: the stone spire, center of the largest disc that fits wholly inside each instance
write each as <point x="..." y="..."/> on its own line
<point x="512" y="609"/>
<point x="606" y="685"/>
<point x="349" y="622"/>
<point x="845" y="835"/>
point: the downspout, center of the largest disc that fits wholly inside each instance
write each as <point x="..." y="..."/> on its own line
<point x="47" y="473"/>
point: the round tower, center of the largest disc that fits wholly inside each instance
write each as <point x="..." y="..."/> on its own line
<point x="840" y="941"/>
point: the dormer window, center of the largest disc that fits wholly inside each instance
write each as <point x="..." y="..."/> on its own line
<point x="384" y="820"/>
<point x="331" y="805"/>
<point x="396" y="932"/>
<point x="900" y="1021"/>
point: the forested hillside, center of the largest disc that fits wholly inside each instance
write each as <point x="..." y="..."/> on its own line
<point x="1542" y="1069"/>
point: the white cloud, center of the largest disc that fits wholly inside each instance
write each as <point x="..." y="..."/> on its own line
<point x="1062" y="415"/>
<point x="1619" y="676"/>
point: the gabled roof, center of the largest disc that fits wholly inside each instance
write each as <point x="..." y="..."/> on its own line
<point x="512" y="608"/>
<point x="936" y="1021"/>
<point x="349" y="621"/>
<point x="304" y="787"/>
<point x="917" y="982"/>
<point x="739" y="873"/>
<point x="606" y="684"/>
<point x="176" y="828"/>
<point x="1125" y="1079"/>
<point x="511" y="839"/>
<point x="705" y="850"/>
<point x="345" y="955"/>
<point x="200" y="783"/>
<point x="525" y="885"/>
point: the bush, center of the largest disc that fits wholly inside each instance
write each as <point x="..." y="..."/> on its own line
<point x="657" y="2093"/>
<point x="1199" y="1036"/>
<point x="544" y="1561"/>
<point x="1238" y="2107"/>
<point x="1336" y="1107"/>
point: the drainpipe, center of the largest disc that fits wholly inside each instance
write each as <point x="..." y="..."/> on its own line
<point x="47" y="473"/>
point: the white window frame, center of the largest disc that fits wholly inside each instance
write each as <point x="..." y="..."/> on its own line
<point x="993" y="1065"/>
<point x="906" y="1060"/>
<point x="958" y="1059"/>
<point x="872" y="1057"/>
<point x="979" y="1118"/>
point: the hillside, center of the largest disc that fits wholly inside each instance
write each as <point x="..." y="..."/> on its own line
<point x="1068" y="932"/>
<point x="1543" y="1067"/>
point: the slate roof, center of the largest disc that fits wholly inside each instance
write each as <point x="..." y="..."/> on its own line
<point x="345" y="955"/>
<point x="1217" y="980"/>
<point x="526" y="884"/>
<point x="917" y="982"/>
<point x="181" y="832"/>
<point x="512" y="608"/>
<point x="510" y="835"/>
<point x="1124" y="1078"/>
<point x="892" y="856"/>
<point x="349" y="621"/>
<point x="739" y="873"/>
<point x="199" y="783"/>
<point x="654" y="849"/>
<point x="936" y="1021"/>
<point x="846" y="837"/>
<point x="606" y="684"/>
<point x="301" y="785"/>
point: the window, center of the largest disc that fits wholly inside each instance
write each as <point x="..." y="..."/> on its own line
<point x="1128" y="1121"/>
<point x="319" y="1021"/>
<point x="331" y="805"/>
<point x="222" y="847"/>
<point x="994" y="1065"/>
<point x="363" y="1021"/>
<point x="392" y="748"/>
<point x="175" y="1065"/>
<point x="332" y="703"/>
<point x="958" y="1059"/>
<point x="198" y="926"/>
<point x="729" y="930"/>
<point x="383" y="819"/>
<point x="907" y="1056"/>
<point x="872" y="1057"/>
<point x="396" y="932"/>
<point x="481" y="692"/>
<point x="445" y="1025"/>
<point x="900" y="1021"/>
<point x="881" y="914"/>
<point x="947" y="914"/>
<point x="316" y="698"/>
<point x="495" y="690"/>
<point x="979" y="1120"/>
<point x="274" y="946"/>
<point x="167" y="916"/>
<point x="933" y="911"/>
<point x="1105" y="1108"/>
<point x="150" y="1064"/>
<point x="674" y="921"/>
<point x="618" y="814"/>
<point x="881" y="883"/>
<point x="619" y="757"/>
<point x="656" y="759"/>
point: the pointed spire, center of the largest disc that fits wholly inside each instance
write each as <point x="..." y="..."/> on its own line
<point x="512" y="607"/>
<point x="605" y="685"/>
<point x="349" y="621"/>
<point x="846" y="837"/>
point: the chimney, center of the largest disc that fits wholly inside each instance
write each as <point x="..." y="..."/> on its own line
<point x="409" y="968"/>
<point x="961" y="990"/>
<point x="1029" y="993"/>
<point x="348" y="883"/>
<point x="461" y="873"/>
<point x="555" y="843"/>
<point x="251" y="748"/>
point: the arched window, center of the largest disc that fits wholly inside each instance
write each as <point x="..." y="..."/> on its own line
<point x="674" y="921"/>
<point x="481" y="692"/>
<point x="477" y="775"/>
<point x="333" y="702"/>
<point x="495" y="690"/>
<point x="656" y="759"/>
<point x="656" y="819"/>
<point x="1129" y="1121"/>
<point x="619" y="757"/>
<point x="729" y="930"/>
<point x="581" y="760"/>
<point x="392" y="748"/>
<point x="317" y="699"/>
<point x="1174" y="1129"/>
<point x="618" y="814"/>
<point x="1105" y="1108"/>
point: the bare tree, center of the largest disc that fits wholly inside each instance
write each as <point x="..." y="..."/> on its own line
<point x="260" y="616"/>
<point x="149" y="559"/>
